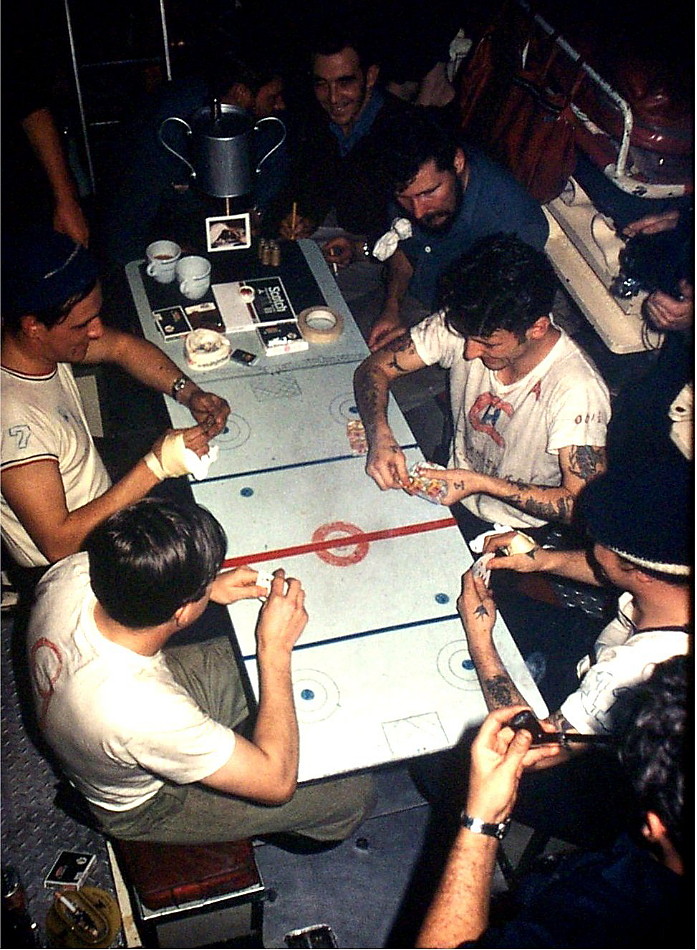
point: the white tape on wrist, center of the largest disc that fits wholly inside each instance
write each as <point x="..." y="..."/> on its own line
<point x="178" y="460"/>
<point x="153" y="464"/>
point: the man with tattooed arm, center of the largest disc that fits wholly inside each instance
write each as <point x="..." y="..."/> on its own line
<point x="639" y="542"/>
<point x="529" y="409"/>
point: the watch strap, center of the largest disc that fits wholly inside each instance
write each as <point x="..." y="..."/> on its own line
<point x="496" y="830"/>
<point x="177" y="386"/>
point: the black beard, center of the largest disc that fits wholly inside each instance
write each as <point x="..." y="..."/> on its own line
<point x="447" y="224"/>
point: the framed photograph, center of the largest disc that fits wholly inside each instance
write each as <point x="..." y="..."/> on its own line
<point x="231" y="233"/>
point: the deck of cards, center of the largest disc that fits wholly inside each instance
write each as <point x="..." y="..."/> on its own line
<point x="432" y="489"/>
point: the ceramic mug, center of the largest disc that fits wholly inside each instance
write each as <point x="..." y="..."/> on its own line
<point x="162" y="260"/>
<point x="194" y="276"/>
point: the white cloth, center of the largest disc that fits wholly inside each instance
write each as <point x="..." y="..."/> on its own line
<point x="43" y="419"/>
<point x="117" y="720"/>
<point x="386" y="245"/>
<point x="515" y="431"/>
<point x="623" y="658"/>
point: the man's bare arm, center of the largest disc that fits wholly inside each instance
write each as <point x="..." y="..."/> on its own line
<point x="265" y="769"/>
<point x="36" y="495"/>
<point x="572" y="564"/>
<point x="372" y="381"/>
<point x="388" y="324"/>
<point x="477" y="611"/>
<point x="578" y="463"/>
<point x="149" y="365"/>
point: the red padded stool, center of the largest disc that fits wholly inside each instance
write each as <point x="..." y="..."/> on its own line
<point x="193" y="895"/>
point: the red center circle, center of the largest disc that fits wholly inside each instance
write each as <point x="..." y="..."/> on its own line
<point x="339" y="529"/>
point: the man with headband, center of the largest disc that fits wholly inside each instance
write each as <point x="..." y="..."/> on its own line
<point x="55" y="487"/>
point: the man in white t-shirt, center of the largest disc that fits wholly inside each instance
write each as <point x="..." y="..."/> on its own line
<point x="529" y="409"/>
<point x="55" y="488"/>
<point x="639" y="536"/>
<point x="152" y="735"/>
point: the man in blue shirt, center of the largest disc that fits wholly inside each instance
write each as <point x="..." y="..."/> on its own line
<point x="451" y="195"/>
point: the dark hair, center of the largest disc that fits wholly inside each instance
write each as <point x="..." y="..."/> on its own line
<point x="151" y="558"/>
<point x="501" y="283"/>
<point x="227" y="68"/>
<point x="51" y="316"/>
<point x="330" y="36"/>
<point x="410" y="138"/>
<point x="654" y="746"/>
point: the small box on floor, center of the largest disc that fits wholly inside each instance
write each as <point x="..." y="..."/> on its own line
<point x="70" y="869"/>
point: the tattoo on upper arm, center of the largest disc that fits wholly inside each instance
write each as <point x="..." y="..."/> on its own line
<point x="586" y="461"/>
<point x="402" y="344"/>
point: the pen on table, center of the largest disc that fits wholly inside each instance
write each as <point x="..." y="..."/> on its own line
<point x="293" y="216"/>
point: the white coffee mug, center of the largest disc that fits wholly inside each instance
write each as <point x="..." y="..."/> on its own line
<point x="194" y="276"/>
<point x="162" y="260"/>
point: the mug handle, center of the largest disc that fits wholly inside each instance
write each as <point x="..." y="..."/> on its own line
<point x="175" y="118"/>
<point x="151" y="269"/>
<point x="269" y="118"/>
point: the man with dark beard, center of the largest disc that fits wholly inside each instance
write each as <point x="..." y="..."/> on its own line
<point x="448" y="196"/>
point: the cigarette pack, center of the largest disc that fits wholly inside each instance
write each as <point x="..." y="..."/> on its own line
<point x="70" y="869"/>
<point x="279" y="338"/>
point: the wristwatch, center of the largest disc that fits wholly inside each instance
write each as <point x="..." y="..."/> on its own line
<point x="177" y="386"/>
<point x="496" y="830"/>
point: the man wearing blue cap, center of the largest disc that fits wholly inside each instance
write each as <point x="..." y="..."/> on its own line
<point x="55" y="487"/>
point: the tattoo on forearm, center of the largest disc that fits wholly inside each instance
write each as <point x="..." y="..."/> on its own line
<point x="500" y="690"/>
<point x="586" y="461"/>
<point x="559" y="509"/>
<point x="481" y="611"/>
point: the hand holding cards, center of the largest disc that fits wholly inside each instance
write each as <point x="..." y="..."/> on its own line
<point x="425" y="486"/>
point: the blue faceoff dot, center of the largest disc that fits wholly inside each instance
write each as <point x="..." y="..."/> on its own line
<point x="307" y="694"/>
<point x="442" y="598"/>
<point x="247" y="492"/>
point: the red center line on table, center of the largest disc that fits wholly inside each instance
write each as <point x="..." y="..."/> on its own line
<point x="341" y="542"/>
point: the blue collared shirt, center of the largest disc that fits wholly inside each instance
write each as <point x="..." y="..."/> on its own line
<point x="493" y="201"/>
<point x="362" y="126"/>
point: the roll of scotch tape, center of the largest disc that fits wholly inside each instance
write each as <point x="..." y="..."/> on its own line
<point x="320" y="325"/>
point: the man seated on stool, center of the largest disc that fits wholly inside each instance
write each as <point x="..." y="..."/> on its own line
<point x="55" y="487"/>
<point x="448" y="196"/>
<point x="633" y="894"/>
<point x="153" y="735"/>
<point x="529" y="409"/>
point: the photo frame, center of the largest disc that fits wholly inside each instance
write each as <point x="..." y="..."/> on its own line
<point x="230" y="232"/>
